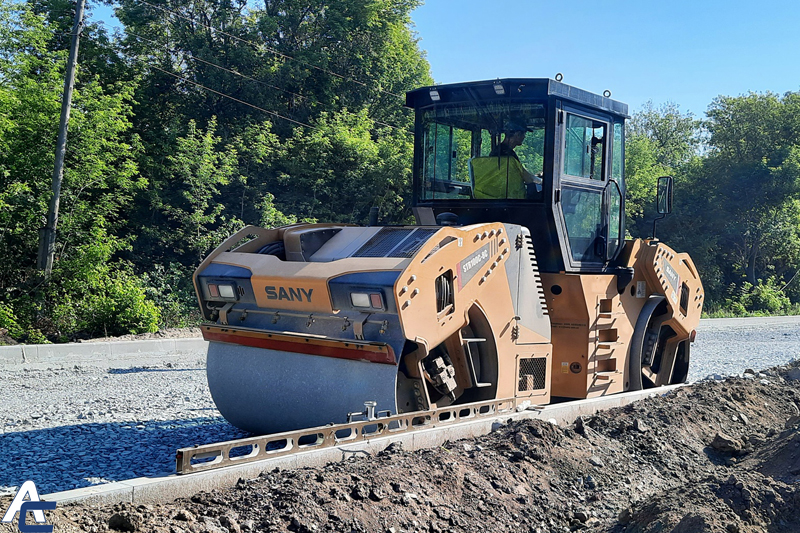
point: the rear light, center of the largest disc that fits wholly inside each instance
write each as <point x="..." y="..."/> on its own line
<point x="376" y="301"/>
<point x="213" y="291"/>
<point x="367" y="300"/>
<point x="693" y="335"/>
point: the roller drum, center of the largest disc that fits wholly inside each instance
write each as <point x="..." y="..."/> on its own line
<point x="268" y="391"/>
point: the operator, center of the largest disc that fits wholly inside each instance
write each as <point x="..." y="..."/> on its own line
<point x="514" y="136"/>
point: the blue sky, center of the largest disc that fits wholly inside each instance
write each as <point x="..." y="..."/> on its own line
<point x="683" y="51"/>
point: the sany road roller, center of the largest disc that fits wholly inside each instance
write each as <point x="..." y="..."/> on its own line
<point x="515" y="282"/>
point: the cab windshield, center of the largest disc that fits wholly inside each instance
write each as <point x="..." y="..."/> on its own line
<point x="483" y="152"/>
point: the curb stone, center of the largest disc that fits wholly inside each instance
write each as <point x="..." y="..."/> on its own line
<point x="97" y="353"/>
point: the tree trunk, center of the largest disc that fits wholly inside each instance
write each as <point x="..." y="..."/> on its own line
<point x="751" y="263"/>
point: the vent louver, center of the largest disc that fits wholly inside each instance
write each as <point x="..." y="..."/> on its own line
<point x="395" y="242"/>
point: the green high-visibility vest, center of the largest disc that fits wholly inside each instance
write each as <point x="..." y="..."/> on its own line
<point x="496" y="177"/>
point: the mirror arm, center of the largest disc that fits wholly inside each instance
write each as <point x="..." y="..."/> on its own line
<point x="663" y="216"/>
<point x="667" y="195"/>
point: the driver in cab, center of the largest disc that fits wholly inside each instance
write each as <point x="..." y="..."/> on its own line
<point x="501" y="174"/>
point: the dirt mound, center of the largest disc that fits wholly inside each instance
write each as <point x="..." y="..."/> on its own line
<point x="713" y="457"/>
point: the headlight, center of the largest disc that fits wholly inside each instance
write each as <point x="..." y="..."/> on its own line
<point x="219" y="290"/>
<point x="371" y="300"/>
<point x="366" y="292"/>
<point x="226" y="291"/>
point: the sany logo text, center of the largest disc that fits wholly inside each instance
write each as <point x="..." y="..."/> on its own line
<point x="289" y="293"/>
<point x="32" y="504"/>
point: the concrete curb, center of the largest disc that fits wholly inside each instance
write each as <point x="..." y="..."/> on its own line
<point x="93" y="353"/>
<point x="103" y="353"/>
<point x="171" y="487"/>
<point x="749" y="321"/>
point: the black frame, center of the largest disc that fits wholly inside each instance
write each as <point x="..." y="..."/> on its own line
<point x="544" y="216"/>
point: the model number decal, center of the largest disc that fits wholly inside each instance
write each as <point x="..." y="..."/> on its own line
<point x="291" y="294"/>
<point x="472" y="265"/>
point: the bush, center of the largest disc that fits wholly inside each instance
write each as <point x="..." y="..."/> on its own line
<point x="8" y="322"/>
<point x="172" y="291"/>
<point x="90" y="296"/>
<point x="768" y="297"/>
<point x="118" y="306"/>
<point x="115" y="304"/>
<point x="764" y="298"/>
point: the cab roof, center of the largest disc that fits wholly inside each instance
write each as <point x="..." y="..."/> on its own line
<point x="512" y="88"/>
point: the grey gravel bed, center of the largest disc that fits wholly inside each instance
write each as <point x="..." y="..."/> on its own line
<point x="730" y="346"/>
<point x="81" y="426"/>
<point x="76" y="427"/>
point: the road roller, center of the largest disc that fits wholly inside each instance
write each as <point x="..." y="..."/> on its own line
<point x="515" y="279"/>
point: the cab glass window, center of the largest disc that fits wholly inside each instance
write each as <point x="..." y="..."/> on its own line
<point x="584" y="147"/>
<point x="583" y="216"/>
<point x="618" y="157"/>
<point x="488" y="152"/>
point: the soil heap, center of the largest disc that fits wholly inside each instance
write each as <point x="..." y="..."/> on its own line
<point x="717" y="456"/>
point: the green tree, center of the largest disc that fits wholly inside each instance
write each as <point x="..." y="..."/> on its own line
<point x="675" y="135"/>
<point x="100" y="179"/>
<point x="660" y="141"/>
<point x="195" y="172"/>
<point x="338" y="170"/>
<point x="741" y="200"/>
<point x="642" y="171"/>
<point x="753" y="174"/>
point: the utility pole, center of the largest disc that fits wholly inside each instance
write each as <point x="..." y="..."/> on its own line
<point x="47" y="235"/>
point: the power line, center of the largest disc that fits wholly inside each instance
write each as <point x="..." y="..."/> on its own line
<point x="216" y="65"/>
<point x="233" y="98"/>
<point x="269" y="49"/>
<point x="210" y="63"/>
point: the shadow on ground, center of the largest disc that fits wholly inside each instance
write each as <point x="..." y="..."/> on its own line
<point x="70" y="457"/>
<point x="139" y="369"/>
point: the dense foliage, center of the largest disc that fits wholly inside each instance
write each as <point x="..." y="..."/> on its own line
<point x="200" y="116"/>
<point x="737" y="209"/>
<point x="304" y="121"/>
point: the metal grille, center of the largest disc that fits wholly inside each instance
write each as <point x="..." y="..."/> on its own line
<point x="383" y="242"/>
<point x="395" y="242"/>
<point x="532" y="373"/>
<point x="536" y="277"/>
<point x="412" y="245"/>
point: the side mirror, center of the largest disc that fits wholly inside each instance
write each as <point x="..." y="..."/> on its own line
<point x="664" y="195"/>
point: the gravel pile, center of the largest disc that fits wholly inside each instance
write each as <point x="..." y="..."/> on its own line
<point x="81" y="426"/>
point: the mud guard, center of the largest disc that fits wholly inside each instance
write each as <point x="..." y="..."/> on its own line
<point x="637" y="342"/>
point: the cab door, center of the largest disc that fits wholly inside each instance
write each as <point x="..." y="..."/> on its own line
<point x="589" y="197"/>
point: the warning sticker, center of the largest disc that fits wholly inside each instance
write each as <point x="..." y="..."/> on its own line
<point x="641" y="289"/>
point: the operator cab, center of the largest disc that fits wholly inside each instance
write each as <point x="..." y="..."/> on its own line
<point x="534" y="152"/>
